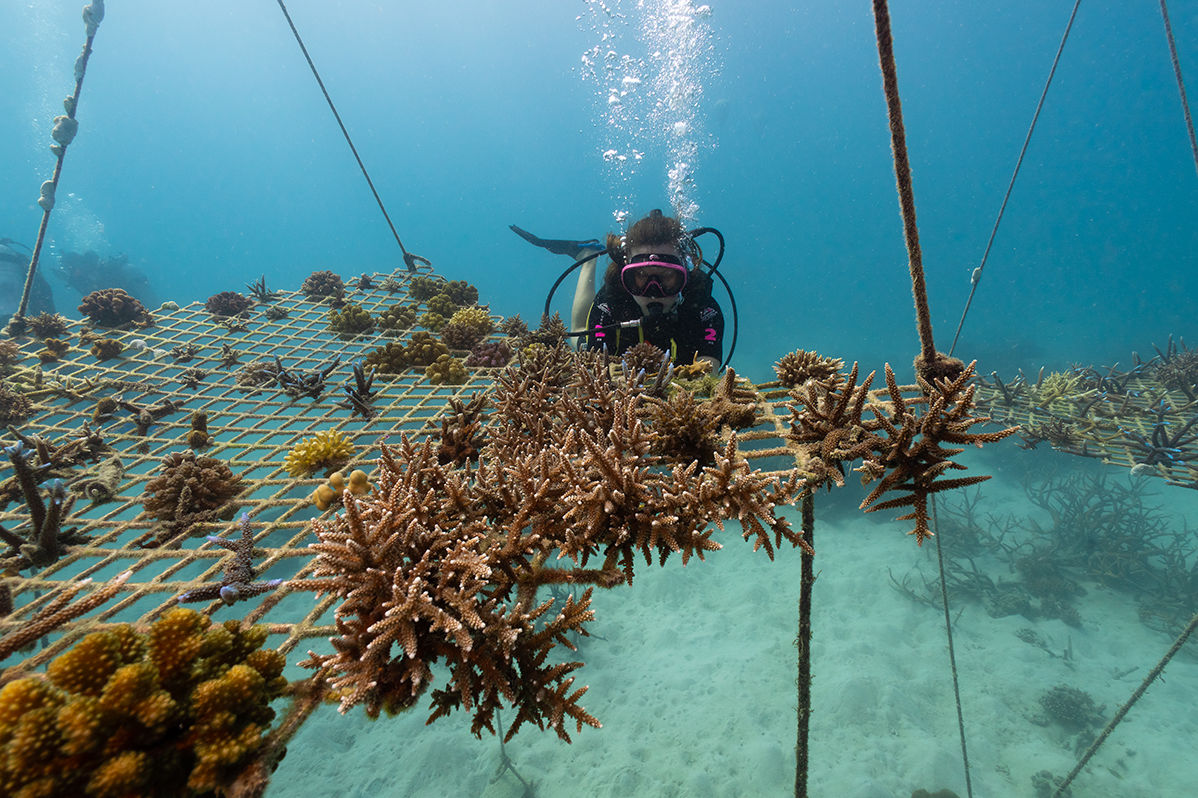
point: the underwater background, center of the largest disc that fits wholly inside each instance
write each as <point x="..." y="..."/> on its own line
<point x="207" y="157"/>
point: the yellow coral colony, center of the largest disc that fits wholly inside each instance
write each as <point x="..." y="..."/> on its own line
<point x="326" y="449"/>
<point x="175" y="711"/>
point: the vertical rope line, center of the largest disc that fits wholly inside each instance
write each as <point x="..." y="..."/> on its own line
<point x="1127" y="705"/>
<point x="977" y="273"/>
<point x="408" y="258"/>
<point x="902" y="171"/>
<point x="1181" y="86"/>
<point x="81" y="67"/>
<point x="952" y="652"/>
<point x="803" y="643"/>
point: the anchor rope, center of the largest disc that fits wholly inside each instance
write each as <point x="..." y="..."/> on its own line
<point x="1181" y="85"/>
<point x="976" y="277"/>
<point x="409" y="259"/>
<point x="902" y="168"/>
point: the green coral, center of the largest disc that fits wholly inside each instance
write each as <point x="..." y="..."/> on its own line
<point x="396" y="318"/>
<point x="446" y="370"/>
<point x="421" y="287"/>
<point x="424" y="349"/>
<point x="174" y="711"/>
<point x="442" y="305"/>
<point x="1058" y="390"/>
<point x="467" y="327"/>
<point x="350" y="319"/>
<point x="390" y="358"/>
<point x="432" y="321"/>
<point x="461" y="292"/>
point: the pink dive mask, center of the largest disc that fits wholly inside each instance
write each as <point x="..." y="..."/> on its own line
<point x="654" y="275"/>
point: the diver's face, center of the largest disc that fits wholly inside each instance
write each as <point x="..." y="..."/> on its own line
<point x="665" y="303"/>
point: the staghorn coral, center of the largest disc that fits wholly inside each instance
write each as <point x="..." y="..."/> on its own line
<point x="684" y="430"/>
<point x="423" y="350"/>
<point x="489" y="354"/>
<point x="349" y="319"/>
<point x="732" y="405"/>
<point x="325" y="450"/>
<point x="466" y="328"/>
<point x="228" y="303"/>
<point x="513" y="327"/>
<point x="1059" y="391"/>
<point x="187" y="490"/>
<point x="644" y="357"/>
<point x="177" y="710"/>
<point x="1179" y="371"/>
<point x="237" y="583"/>
<point x="461" y="436"/>
<point x="396" y="318"/>
<point x="112" y="307"/>
<point x="799" y="366"/>
<point x="47" y="325"/>
<point x="446" y="370"/>
<point x="391" y="358"/>
<point x="106" y="348"/>
<point x="441" y="564"/>
<point x="322" y="284"/>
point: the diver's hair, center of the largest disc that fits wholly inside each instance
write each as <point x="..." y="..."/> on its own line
<point x="652" y="230"/>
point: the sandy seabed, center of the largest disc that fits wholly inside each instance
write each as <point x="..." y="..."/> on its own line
<point x="692" y="673"/>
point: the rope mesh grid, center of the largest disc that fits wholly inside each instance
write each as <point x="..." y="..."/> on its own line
<point x="253" y="429"/>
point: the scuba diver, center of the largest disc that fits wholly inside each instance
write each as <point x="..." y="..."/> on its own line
<point x="14" y="266"/>
<point x="653" y="290"/>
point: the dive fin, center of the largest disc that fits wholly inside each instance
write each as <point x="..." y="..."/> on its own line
<point x="558" y="246"/>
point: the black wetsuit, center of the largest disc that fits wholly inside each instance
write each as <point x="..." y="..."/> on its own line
<point x="695" y="326"/>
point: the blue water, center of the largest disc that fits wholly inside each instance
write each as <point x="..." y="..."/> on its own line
<point x="207" y="155"/>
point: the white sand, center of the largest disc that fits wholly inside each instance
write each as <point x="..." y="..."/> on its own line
<point x="695" y="686"/>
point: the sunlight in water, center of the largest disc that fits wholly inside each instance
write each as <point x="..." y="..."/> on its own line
<point x="648" y="66"/>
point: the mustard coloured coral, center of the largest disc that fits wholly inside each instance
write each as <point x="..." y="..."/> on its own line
<point x="324" y="450"/>
<point x="178" y="710"/>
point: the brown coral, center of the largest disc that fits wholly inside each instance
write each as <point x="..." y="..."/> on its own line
<point x="189" y="490"/>
<point x="55" y="349"/>
<point x="106" y="348"/>
<point x="322" y="284"/>
<point x="441" y="564"/>
<point x="15" y="406"/>
<point x="349" y="319"/>
<point x="391" y="358"/>
<point x="446" y="370"/>
<point x="489" y="354"/>
<point x="175" y="711"/>
<point x="47" y="325"/>
<point x="423" y="350"/>
<point x="396" y="318"/>
<point x="799" y="366"/>
<point x="112" y="307"/>
<point x="466" y="328"/>
<point x="228" y="303"/>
